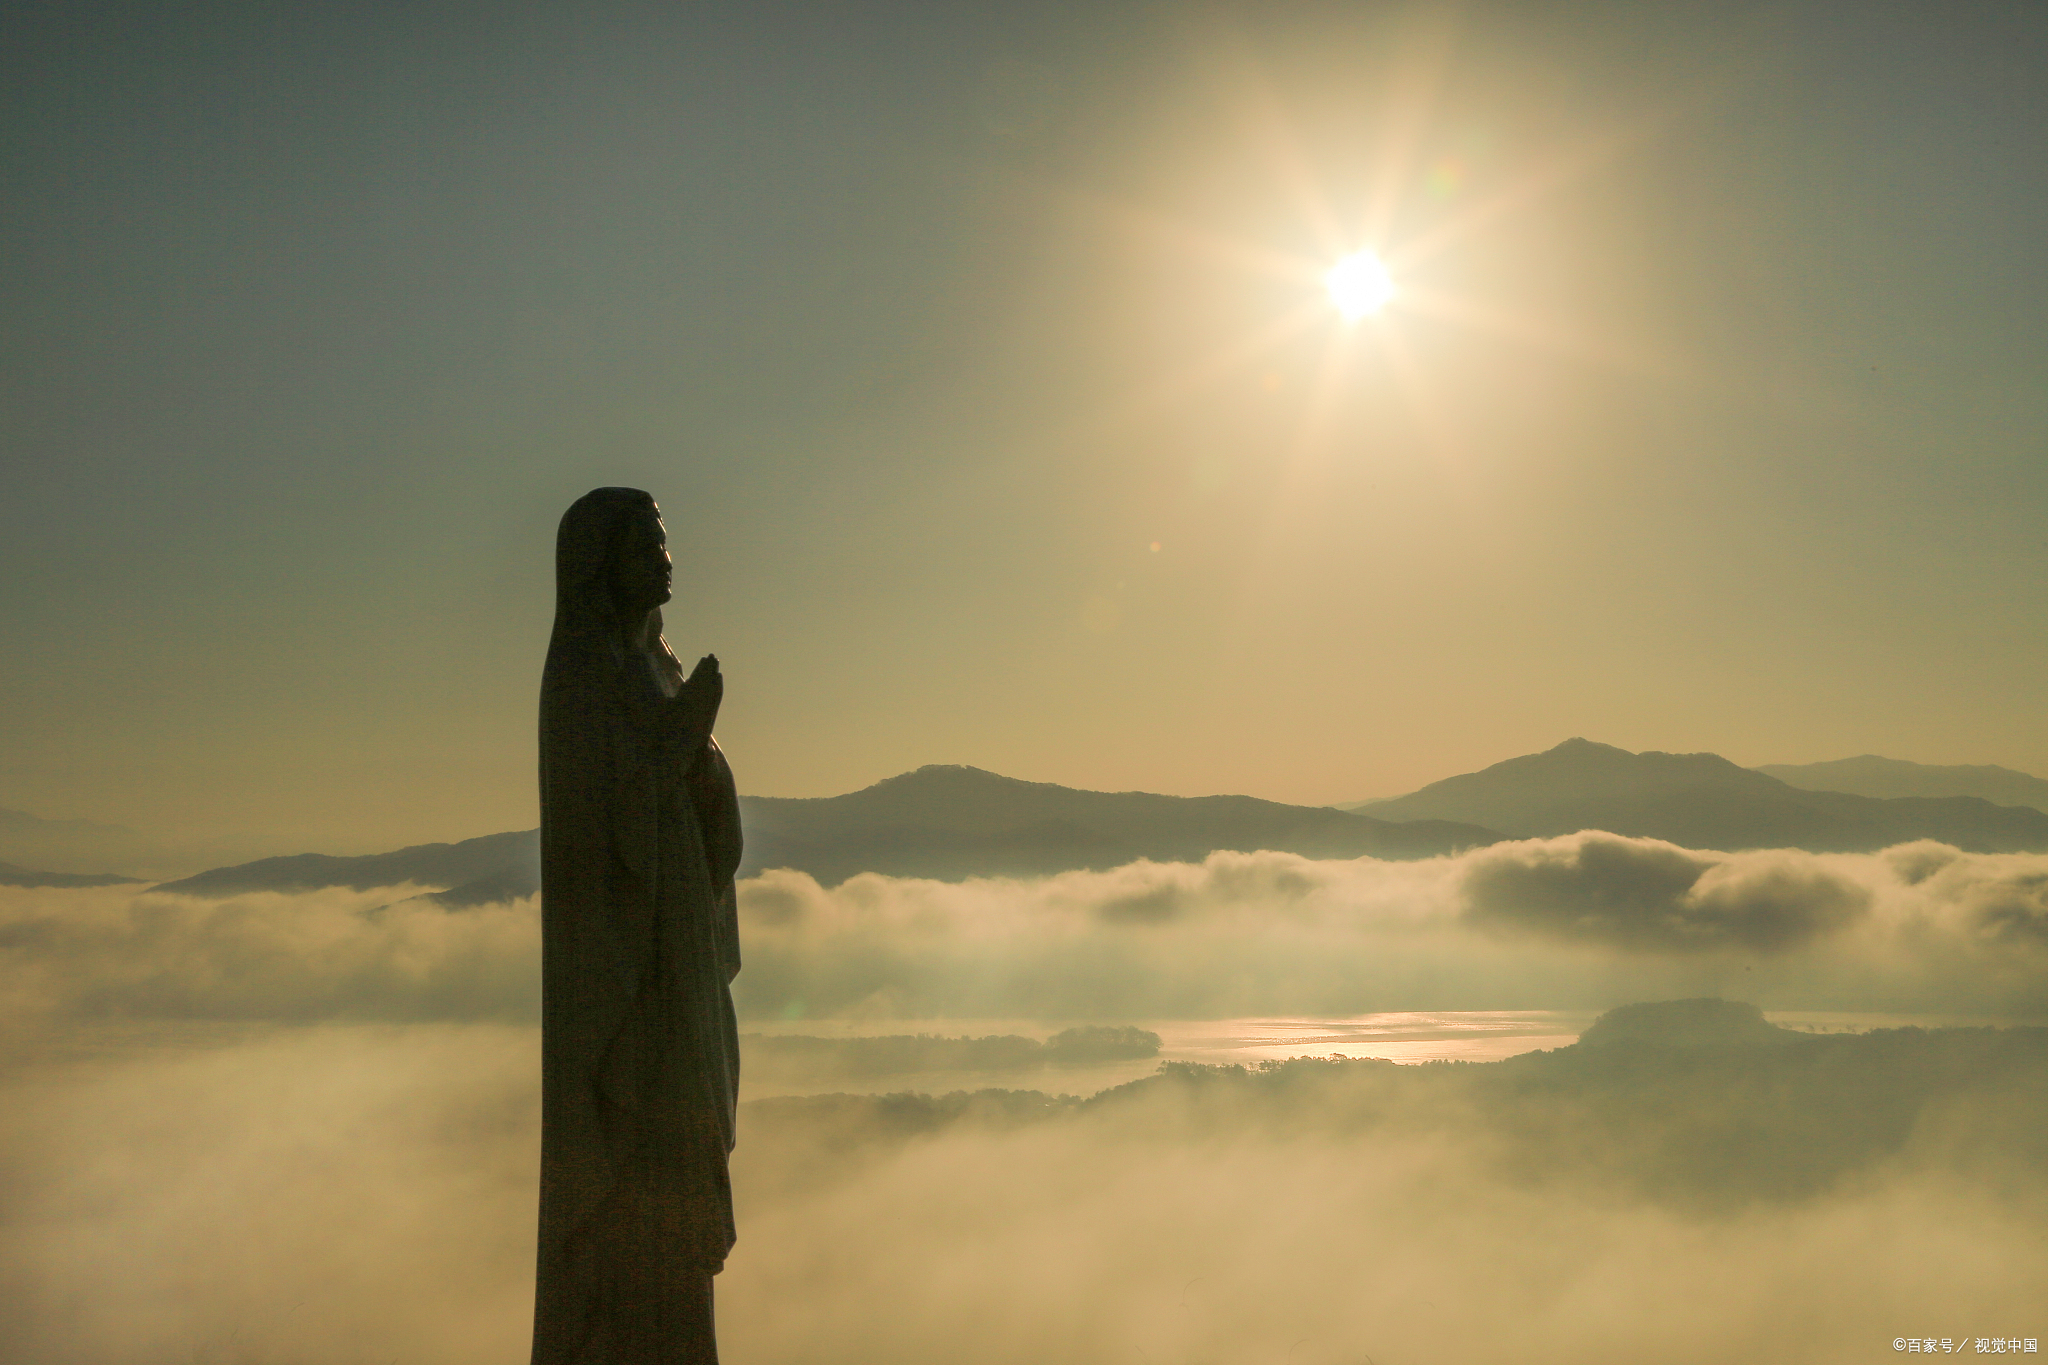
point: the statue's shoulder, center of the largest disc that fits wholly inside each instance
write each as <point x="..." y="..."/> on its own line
<point x="580" y="659"/>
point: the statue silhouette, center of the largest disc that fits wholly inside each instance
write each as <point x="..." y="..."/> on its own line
<point x="640" y="837"/>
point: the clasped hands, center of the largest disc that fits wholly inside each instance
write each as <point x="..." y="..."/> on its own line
<point x="696" y="704"/>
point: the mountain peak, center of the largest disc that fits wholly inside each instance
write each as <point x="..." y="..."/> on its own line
<point x="1588" y="748"/>
<point x="1579" y="744"/>
<point x="943" y="776"/>
<point x="1705" y="801"/>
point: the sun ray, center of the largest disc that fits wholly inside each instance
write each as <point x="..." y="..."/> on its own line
<point x="1570" y="164"/>
<point x="1360" y="285"/>
<point x="1214" y="365"/>
<point x="1289" y="163"/>
<point x="1381" y="257"/>
<point x="1411" y="99"/>
<point x="1636" y="355"/>
<point x="1197" y="241"/>
<point x="1432" y="423"/>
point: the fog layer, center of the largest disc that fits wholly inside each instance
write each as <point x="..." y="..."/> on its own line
<point x="337" y="1195"/>
<point x="1586" y="921"/>
<point x="340" y="1170"/>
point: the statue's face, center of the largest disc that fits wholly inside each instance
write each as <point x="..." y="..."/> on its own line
<point x="640" y="568"/>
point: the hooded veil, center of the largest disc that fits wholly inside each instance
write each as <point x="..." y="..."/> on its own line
<point x="640" y="839"/>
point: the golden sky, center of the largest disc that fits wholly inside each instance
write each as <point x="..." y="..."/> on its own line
<point x="981" y="361"/>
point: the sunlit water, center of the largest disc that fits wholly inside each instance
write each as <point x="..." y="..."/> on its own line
<point x="1407" y="1037"/>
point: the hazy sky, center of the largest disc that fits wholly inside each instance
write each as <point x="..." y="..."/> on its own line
<point x="979" y="358"/>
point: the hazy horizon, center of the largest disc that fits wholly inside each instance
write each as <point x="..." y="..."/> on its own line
<point x="84" y="846"/>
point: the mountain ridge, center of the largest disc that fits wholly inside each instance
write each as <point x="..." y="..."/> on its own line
<point x="13" y="874"/>
<point x="1875" y="775"/>
<point x="949" y="821"/>
<point x="941" y="821"/>
<point x="1704" y="801"/>
<point x="69" y="847"/>
<point x="952" y="821"/>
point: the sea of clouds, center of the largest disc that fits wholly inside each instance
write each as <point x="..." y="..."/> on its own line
<point x="1582" y="922"/>
<point x="305" y="1128"/>
<point x="364" y="1195"/>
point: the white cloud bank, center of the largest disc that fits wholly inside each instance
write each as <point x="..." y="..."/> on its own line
<point x="1582" y="922"/>
<point x="1587" y="921"/>
<point x="361" y="1190"/>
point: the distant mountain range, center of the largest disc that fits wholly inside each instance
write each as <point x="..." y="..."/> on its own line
<point x="10" y="875"/>
<point x="941" y="822"/>
<point x="951" y="822"/>
<point x="1870" y="775"/>
<point x="70" y="843"/>
<point x="1704" y="801"/>
<point x="494" y="867"/>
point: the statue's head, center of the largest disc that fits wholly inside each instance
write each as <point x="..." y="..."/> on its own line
<point x="638" y="569"/>
<point x="611" y="559"/>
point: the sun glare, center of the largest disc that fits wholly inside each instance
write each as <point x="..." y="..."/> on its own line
<point x="1359" y="284"/>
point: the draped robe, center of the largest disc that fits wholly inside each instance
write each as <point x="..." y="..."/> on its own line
<point x="640" y="839"/>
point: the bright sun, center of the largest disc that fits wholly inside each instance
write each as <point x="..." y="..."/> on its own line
<point x="1359" y="284"/>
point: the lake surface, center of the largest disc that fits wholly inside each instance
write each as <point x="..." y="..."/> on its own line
<point x="1407" y="1037"/>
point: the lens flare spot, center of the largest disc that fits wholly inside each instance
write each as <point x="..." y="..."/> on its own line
<point x="1359" y="284"/>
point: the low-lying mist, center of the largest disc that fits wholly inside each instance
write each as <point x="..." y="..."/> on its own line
<point x="800" y="1058"/>
<point x="303" y="1129"/>
<point x="356" y="1194"/>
